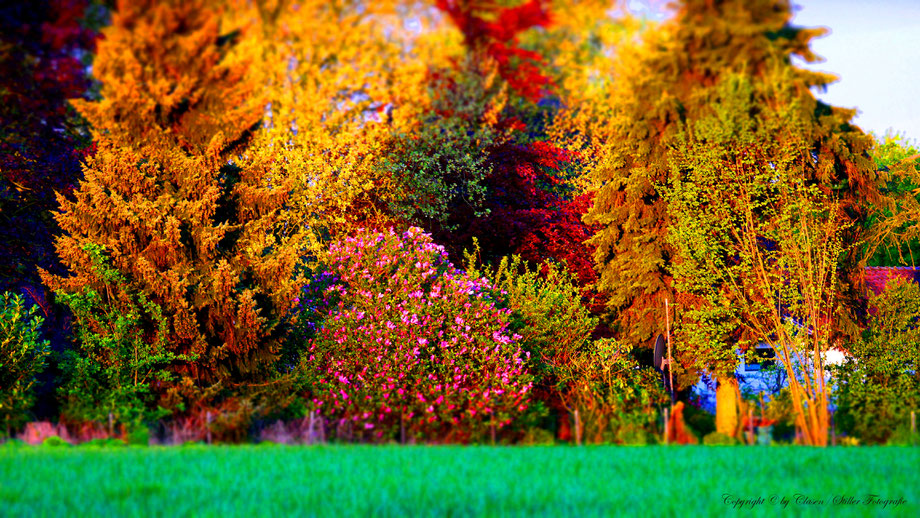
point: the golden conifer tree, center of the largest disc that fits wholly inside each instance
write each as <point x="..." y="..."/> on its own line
<point x="667" y="81"/>
<point x="166" y="195"/>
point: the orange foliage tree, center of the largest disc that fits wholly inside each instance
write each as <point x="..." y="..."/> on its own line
<point x="166" y="196"/>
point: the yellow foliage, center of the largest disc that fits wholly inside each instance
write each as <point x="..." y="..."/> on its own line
<point x="340" y="77"/>
<point x="580" y="46"/>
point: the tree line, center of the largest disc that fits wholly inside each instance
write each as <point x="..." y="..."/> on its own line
<point x="441" y="220"/>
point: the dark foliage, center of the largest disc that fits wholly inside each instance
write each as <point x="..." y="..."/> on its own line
<point x="43" y="50"/>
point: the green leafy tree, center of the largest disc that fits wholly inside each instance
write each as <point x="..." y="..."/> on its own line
<point x="878" y="385"/>
<point x="667" y="80"/>
<point x="22" y="358"/>
<point x="441" y="162"/>
<point x="758" y="242"/>
<point x="121" y="351"/>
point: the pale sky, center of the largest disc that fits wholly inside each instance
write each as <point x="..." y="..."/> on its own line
<point x="874" y="47"/>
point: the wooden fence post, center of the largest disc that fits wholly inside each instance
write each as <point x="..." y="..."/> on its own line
<point x="577" y="428"/>
<point x="913" y="427"/>
<point x="667" y="426"/>
<point x="402" y="427"/>
<point x="751" y="439"/>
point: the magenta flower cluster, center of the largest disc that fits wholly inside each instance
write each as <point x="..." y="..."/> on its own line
<point x="412" y="345"/>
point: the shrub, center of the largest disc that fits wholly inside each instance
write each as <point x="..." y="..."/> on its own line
<point x="780" y="409"/>
<point x="116" y="357"/>
<point x="411" y="347"/>
<point x="138" y="436"/>
<point x="719" y="439"/>
<point x="547" y="312"/>
<point x="538" y="437"/>
<point x="878" y="385"/>
<point x="54" y="442"/>
<point x="22" y="358"/>
<point x="614" y="397"/>
<point x="699" y="420"/>
<point x="104" y="443"/>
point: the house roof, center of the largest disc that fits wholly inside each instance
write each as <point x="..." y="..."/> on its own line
<point x="877" y="277"/>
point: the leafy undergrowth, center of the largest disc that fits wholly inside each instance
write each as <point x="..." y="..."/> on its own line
<point x="451" y="481"/>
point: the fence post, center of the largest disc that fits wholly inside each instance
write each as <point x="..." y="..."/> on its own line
<point x="913" y="427"/>
<point x="208" y="420"/>
<point x="751" y="439"/>
<point x="577" y="428"/>
<point x="667" y="426"/>
<point x="402" y="427"/>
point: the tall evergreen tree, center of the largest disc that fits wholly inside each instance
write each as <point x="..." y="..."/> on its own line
<point x="178" y="218"/>
<point x="666" y="82"/>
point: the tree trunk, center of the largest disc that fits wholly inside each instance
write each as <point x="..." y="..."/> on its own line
<point x="727" y="397"/>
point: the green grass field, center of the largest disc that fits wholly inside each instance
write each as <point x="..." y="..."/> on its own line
<point x="455" y="481"/>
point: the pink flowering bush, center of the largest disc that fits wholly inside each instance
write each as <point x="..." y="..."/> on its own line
<point x="411" y="347"/>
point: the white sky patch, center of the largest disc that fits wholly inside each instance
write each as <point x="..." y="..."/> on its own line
<point x="874" y="47"/>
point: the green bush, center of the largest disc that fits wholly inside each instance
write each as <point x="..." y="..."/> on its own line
<point x="634" y="435"/>
<point x="22" y="358"/>
<point x="139" y="436"/>
<point x="537" y="437"/>
<point x="104" y="443"/>
<point x="902" y="436"/>
<point x="550" y="318"/>
<point x="719" y="439"/>
<point x="878" y="385"/>
<point x="611" y="393"/>
<point x="547" y="311"/>
<point x="54" y="442"/>
<point x="699" y="420"/>
<point x="600" y="379"/>
<point x="120" y="351"/>
<point x="780" y="409"/>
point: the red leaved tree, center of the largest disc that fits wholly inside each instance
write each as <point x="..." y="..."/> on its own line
<point x="532" y="207"/>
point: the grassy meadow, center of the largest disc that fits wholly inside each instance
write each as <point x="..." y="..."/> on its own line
<point x="269" y="480"/>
